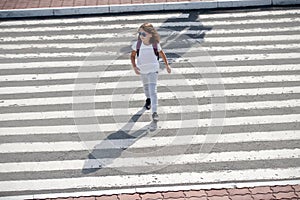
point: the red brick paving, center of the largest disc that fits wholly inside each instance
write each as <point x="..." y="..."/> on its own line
<point x="26" y="4"/>
<point x="288" y="192"/>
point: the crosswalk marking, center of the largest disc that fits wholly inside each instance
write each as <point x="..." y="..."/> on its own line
<point x="230" y="121"/>
<point x="125" y="73"/>
<point x="78" y="45"/>
<point x="164" y="110"/>
<point x="157" y="179"/>
<point x="149" y="161"/>
<point x="249" y="14"/>
<point x="134" y="84"/>
<point x="145" y="142"/>
<point x="163" y="95"/>
<point x="131" y="36"/>
<point x="254" y="100"/>
<point x="183" y="50"/>
<point x="163" y="25"/>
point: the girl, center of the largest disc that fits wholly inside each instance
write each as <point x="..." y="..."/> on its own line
<point x="147" y="50"/>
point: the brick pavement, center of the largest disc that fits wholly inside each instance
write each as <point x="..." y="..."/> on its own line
<point x="25" y="4"/>
<point x="288" y="192"/>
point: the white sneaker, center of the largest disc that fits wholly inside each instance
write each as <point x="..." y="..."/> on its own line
<point x="155" y="116"/>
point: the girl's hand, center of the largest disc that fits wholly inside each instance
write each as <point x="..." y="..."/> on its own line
<point x="136" y="70"/>
<point x="168" y="69"/>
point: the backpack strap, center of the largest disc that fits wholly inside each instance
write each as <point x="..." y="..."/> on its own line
<point x="154" y="46"/>
<point x="138" y="46"/>
<point x="155" y="49"/>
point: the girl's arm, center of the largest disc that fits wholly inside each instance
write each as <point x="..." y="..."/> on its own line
<point x="164" y="57"/>
<point x="132" y="57"/>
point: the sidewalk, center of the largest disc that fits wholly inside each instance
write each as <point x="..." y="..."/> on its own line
<point x="288" y="192"/>
<point x="37" y="8"/>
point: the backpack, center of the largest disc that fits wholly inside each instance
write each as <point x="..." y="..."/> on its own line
<point x="138" y="46"/>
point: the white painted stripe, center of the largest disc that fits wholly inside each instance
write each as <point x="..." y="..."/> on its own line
<point x="253" y="38"/>
<point x="48" y="64"/>
<point x="162" y="110"/>
<point x="184" y="159"/>
<point x="238" y="57"/>
<point x="163" y="33"/>
<point x="147" y="142"/>
<point x="93" y="45"/>
<point x="108" y="36"/>
<point x="246" y="47"/>
<point x="248" y="14"/>
<point x="158" y="25"/>
<point x="123" y="73"/>
<point x="155" y="189"/>
<point x="291" y="118"/>
<point x="246" y="30"/>
<point x="157" y="179"/>
<point x="136" y="84"/>
<point x="85" y="20"/>
<point x="139" y="97"/>
<point x="181" y="50"/>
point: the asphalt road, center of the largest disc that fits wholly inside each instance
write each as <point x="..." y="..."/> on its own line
<point x="71" y="117"/>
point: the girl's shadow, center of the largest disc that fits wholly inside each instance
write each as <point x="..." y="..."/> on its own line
<point x="113" y="145"/>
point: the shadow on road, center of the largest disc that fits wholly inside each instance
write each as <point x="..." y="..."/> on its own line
<point x="116" y="143"/>
<point x="112" y="147"/>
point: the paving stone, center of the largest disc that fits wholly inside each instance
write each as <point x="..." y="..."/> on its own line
<point x="137" y="1"/>
<point x="91" y="2"/>
<point x="289" y="199"/>
<point x="129" y="197"/>
<point x="218" y="198"/>
<point x="197" y="198"/>
<point x="236" y="191"/>
<point x="112" y="197"/>
<point x="102" y="2"/>
<point x="85" y="198"/>
<point x="298" y="194"/>
<point x="217" y="193"/>
<point x="195" y="193"/>
<point x="152" y="196"/>
<point x="125" y="1"/>
<point x="114" y="2"/>
<point x="241" y="197"/>
<point x="286" y="188"/>
<point x="57" y="3"/>
<point x="288" y="195"/>
<point x="260" y="190"/>
<point x="168" y="195"/>
<point x="296" y="187"/>
<point x="263" y="197"/>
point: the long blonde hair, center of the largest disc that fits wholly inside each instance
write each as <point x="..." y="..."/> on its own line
<point x="150" y="29"/>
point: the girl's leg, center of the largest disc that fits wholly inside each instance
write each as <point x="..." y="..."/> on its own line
<point x="153" y="90"/>
<point x="145" y="81"/>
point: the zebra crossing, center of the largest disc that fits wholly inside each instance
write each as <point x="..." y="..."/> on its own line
<point x="71" y="117"/>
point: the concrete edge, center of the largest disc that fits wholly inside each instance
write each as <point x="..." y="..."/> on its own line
<point x="211" y="4"/>
<point x="156" y="189"/>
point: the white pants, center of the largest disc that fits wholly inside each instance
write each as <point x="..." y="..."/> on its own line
<point x="150" y="88"/>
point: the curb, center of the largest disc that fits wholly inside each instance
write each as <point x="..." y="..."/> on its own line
<point x="107" y="9"/>
<point x="175" y="188"/>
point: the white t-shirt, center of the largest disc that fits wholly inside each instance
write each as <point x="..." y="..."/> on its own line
<point x="147" y="60"/>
